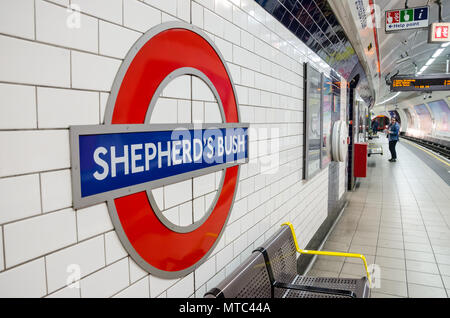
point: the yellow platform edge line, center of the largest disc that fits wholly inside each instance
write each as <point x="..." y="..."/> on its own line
<point x="426" y="151"/>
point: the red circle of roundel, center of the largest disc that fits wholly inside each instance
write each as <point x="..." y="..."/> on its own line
<point x="158" y="246"/>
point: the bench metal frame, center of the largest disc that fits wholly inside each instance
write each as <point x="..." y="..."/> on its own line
<point x="271" y="272"/>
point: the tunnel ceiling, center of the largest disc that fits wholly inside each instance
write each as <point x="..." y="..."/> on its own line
<point x="315" y="24"/>
<point x="413" y="44"/>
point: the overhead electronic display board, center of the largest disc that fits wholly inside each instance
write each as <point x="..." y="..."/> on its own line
<point x="426" y="83"/>
<point x="407" y="19"/>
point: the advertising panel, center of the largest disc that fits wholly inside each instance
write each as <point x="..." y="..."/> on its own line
<point x="313" y="122"/>
<point x="410" y="118"/>
<point x="327" y="106"/>
<point x="424" y="117"/>
<point x="441" y="113"/>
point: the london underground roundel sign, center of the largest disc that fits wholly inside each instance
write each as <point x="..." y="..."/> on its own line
<point x="121" y="161"/>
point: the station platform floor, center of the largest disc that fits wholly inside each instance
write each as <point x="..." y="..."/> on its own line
<point x="398" y="218"/>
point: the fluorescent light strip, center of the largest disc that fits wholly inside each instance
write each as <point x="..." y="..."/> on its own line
<point x="423" y="69"/>
<point x="389" y="99"/>
<point x="430" y="61"/>
<point x="438" y="52"/>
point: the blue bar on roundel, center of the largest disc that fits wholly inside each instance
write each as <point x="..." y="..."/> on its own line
<point x="118" y="160"/>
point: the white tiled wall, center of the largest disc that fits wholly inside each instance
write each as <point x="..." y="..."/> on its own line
<point x="53" y="76"/>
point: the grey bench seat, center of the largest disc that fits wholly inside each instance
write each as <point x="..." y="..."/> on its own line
<point x="271" y="272"/>
<point x="356" y="287"/>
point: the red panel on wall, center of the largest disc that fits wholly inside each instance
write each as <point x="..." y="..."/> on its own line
<point x="360" y="161"/>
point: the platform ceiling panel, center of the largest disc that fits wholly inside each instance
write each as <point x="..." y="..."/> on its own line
<point x="315" y="24"/>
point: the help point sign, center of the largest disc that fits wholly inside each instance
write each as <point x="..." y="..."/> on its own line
<point x="407" y="19"/>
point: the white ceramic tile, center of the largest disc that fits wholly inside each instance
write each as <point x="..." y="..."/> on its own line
<point x="45" y="234"/>
<point x="168" y="6"/>
<point x="93" y="221"/>
<point x="106" y="282"/>
<point x="17" y="18"/>
<point x="177" y="193"/>
<point x="113" y="248"/>
<point x="13" y="190"/>
<point x="66" y="292"/>
<point x="17" y="107"/>
<point x="56" y="190"/>
<point x="61" y="108"/>
<point x="116" y="41"/>
<point x="2" y="263"/>
<point x="139" y="16"/>
<point x="93" y="72"/>
<point x="53" y="25"/>
<point x="25" y="281"/>
<point x="33" y="57"/>
<point x="141" y="289"/>
<point x="78" y="261"/>
<point x="110" y="10"/>
<point x="182" y="289"/>
<point x="49" y="150"/>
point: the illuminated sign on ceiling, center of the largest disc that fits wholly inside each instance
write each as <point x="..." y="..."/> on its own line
<point x="421" y="83"/>
<point x="407" y="19"/>
<point x="439" y="32"/>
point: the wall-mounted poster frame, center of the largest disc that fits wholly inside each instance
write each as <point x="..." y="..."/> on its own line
<point x="326" y="121"/>
<point x="312" y="120"/>
<point x="336" y="91"/>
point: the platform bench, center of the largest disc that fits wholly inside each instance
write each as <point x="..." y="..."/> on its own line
<point x="271" y="272"/>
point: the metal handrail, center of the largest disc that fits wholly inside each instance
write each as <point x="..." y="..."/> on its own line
<point x="324" y="253"/>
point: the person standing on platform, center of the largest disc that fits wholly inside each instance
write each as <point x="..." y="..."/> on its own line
<point x="375" y="127"/>
<point x="393" y="132"/>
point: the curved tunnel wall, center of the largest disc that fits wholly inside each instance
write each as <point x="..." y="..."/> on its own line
<point x="430" y="119"/>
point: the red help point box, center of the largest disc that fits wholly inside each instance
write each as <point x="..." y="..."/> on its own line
<point x="360" y="160"/>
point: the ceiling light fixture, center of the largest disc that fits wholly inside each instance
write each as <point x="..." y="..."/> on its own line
<point x="438" y="52"/>
<point x="389" y="99"/>
<point x="423" y="69"/>
<point x="404" y="59"/>
<point x="430" y="61"/>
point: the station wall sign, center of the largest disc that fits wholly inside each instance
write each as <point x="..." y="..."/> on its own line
<point x="407" y="19"/>
<point x="121" y="161"/>
<point x="439" y="33"/>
